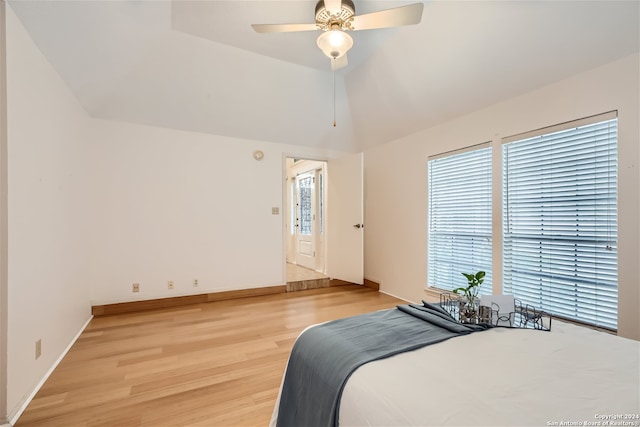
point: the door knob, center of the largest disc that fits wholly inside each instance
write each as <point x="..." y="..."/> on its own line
<point x="358" y="225"/>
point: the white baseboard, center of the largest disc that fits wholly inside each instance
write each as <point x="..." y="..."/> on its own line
<point x="13" y="418"/>
<point x="396" y="296"/>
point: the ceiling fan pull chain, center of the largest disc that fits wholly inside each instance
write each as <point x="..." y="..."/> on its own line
<point x="334" y="95"/>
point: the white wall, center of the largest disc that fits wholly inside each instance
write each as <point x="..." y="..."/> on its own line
<point x="396" y="179"/>
<point x="180" y="206"/>
<point x="50" y="211"/>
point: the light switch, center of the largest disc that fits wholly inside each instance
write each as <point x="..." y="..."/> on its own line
<point x="275" y="211"/>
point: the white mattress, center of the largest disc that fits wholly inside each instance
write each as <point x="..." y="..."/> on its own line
<point x="501" y="377"/>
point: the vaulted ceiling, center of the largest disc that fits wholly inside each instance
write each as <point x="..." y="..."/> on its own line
<point x="198" y="65"/>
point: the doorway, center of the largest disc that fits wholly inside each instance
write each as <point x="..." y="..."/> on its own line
<point x="305" y="223"/>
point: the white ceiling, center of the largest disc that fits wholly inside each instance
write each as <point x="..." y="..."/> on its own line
<point x="198" y="65"/>
<point x="229" y="22"/>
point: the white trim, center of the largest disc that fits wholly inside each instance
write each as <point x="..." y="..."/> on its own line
<point x="396" y="296"/>
<point x="13" y="419"/>
<point x="496" y="215"/>
<point x="562" y="126"/>
<point x="460" y="150"/>
<point x="435" y="292"/>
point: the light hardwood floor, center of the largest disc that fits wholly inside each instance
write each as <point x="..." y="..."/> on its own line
<point x="212" y="364"/>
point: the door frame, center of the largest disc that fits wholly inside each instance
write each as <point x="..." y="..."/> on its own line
<point x="286" y="212"/>
<point x="343" y="214"/>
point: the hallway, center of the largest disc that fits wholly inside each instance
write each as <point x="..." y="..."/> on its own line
<point x="300" y="278"/>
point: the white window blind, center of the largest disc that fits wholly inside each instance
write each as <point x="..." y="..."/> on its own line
<point x="459" y="194"/>
<point x="560" y="221"/>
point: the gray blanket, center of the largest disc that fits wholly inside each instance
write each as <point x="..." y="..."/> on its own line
<point x="326" y="355"/>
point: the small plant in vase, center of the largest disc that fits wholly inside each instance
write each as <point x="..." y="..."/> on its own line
<point x="469" y="311"/>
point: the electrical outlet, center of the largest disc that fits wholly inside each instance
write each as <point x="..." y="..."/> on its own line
<point x="38" y="348"/>
<point x="195" y="283"/>
<point x="170" y="284"/>
<point x="135" y="287"/>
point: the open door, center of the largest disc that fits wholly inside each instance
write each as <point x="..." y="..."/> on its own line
<point x="345" y="245"/>
<point x="306" y="219"/>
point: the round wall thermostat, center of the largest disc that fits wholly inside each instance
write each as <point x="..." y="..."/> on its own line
<point x="258" y="155"/>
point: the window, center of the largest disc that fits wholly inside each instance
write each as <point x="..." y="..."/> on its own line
<point x="305" y="186"/>
<point x="459" y="197"/>
<point x="560" y="220"/>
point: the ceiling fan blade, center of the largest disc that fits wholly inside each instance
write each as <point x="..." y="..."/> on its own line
<point x="404" y="15"/>
<point x="283" y="28"/>
<point x="333" y="6"/>
<point x="338" y="63"/>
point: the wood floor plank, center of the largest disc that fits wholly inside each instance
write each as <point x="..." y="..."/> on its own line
<point x="208" y="364"/>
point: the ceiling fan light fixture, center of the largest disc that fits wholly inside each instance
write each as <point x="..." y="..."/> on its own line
<point x="335" y="43"/>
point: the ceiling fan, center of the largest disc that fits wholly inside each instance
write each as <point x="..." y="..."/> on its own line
<point x="335" y="17"/>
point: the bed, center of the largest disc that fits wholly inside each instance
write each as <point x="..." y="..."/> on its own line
<point x="500" y="376"/>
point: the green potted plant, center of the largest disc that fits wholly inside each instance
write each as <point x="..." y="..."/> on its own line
<point x="468" y="312"/>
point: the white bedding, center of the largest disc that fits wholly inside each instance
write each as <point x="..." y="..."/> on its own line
<point x="569" y="376"/>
